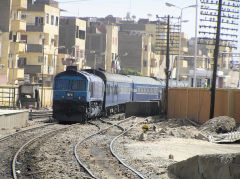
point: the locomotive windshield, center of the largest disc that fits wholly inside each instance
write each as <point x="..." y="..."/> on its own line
<point x="62" y="84"/>
<point x="79" y="85"/>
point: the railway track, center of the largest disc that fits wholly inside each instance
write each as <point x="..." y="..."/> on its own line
<point x="96" y="155"/>
<point x="46" y="151"/>
<point x="10" y="144"/>
<point x="21" y="164"/>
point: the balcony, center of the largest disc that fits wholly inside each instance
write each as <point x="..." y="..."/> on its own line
<point x="34" y="48"/>
<point x="18" y="47"/>
<point x="19" y="25"/>
<point x="34" y="28"/>
<point x="16" y="74"/>
<point x="19" y="4"/>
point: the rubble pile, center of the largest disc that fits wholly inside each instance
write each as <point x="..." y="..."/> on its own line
<point x="221" y="124"/>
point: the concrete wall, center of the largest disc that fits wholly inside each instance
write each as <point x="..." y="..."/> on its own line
<point x="13" y="119"/>
<point x="194" y="103"/>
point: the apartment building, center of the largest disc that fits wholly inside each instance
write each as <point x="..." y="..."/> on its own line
<point x="102" y="46"/>
<point x="12" y="26"/>
<point x="41" y="36"/>
<point x="72" y="39"/>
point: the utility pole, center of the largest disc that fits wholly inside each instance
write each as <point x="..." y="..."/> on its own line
<point x="167" y="67"/>
<point x="42" y="70"/>
<point x="216" y="50"/>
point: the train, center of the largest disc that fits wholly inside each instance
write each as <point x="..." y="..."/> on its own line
<point x="82" y="95"/>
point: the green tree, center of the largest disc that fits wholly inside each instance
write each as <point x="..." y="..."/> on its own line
<point x="126" y="71"/>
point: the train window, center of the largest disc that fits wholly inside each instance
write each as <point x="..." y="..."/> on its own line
<point x="62" y="84"/>
<point x="91" y="88"/>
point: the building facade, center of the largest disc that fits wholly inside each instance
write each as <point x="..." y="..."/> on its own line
<point x="12" y="26"/>
<point x="72" y="39"/>
<point x="41" y="36"/>
<point x="102" y="46"/>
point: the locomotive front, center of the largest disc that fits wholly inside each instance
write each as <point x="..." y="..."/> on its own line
<point x="73" y="96"/>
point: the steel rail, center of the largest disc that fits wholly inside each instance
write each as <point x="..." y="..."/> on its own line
<point x="81" y="141"/>
<point x="26" y="130"/>
<point x="119" y="159"/>
<point x="27" y="143"/>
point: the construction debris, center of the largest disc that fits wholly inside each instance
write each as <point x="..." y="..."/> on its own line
<point x="228" y="137"/>
<point x="221" y="124"/>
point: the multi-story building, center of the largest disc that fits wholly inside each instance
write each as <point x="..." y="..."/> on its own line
<point x="72" y="38"/>
<point x="138" y="40"/>
<point x="102" y="46"/>
<point x="226" y="75"/>
<point x="12" y="26"/>
<point x="41" y="36"/>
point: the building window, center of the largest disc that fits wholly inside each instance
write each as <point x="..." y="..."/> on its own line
<point x="145" y="63"/>
<point x="145" y="47"/>
<point x="23" y="38"/>
<point x="10" y="35"/>
<point x="40" y="59"/>
<point x="38" y="21"/>
<point x="77" y="32"/>
<point x="113" y="56"/>
<point x="23" y="16"/>
<point x="52" y="20"/>
<point x="47" y="18"/>
<point x="81" y="34"/>
<point x="22" y="62"/>
<point x="56" y="23"/>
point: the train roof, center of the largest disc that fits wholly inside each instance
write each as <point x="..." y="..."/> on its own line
<point x="84" y="74"/>
<point x="110" y="76"/>
<point x="144" y="80"/>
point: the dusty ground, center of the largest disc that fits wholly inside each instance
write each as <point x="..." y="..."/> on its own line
<point x="165" y="143"/>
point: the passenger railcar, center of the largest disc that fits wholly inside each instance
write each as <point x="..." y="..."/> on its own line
<point x="118" y="90"/>
<point x="77" y="95"/>
<point x="146" y="88"/>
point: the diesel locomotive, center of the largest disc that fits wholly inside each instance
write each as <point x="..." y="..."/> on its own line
<point x="80" y="95"/>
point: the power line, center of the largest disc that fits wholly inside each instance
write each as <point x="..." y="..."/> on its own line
<point x="76" y="1"/>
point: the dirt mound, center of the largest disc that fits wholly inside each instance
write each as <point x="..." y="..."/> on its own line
<point x="221" y="124"/>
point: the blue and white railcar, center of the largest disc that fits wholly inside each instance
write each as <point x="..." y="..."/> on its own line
<point x="77" y="95"/>
<point x="146" y="88"/>
<point x="118" y="90"/>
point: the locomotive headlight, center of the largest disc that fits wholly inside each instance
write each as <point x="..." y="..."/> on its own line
<point x="62" y="97"/>
<point x="69" y="94"/>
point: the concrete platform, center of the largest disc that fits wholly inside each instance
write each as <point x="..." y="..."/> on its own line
<point x="12" y="119"/>
<point x="142" y="108"/>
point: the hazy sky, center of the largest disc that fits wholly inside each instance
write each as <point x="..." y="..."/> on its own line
<point x="139" y="8"/>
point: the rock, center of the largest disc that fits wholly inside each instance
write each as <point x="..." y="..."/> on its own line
<point x="171" y="156"/>
<point x="154" y="128"/>
<point x="142" y="137"/>
<point x="175" y="133"/>
<point x="200" y="136"/>
<point x="221" y="124"/>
